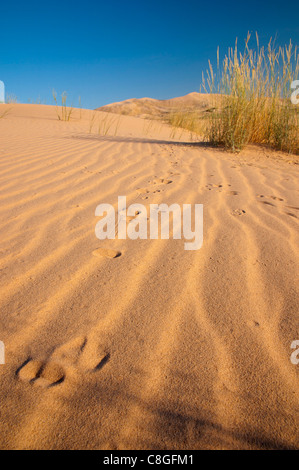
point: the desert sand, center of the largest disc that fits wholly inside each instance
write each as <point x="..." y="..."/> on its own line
<point x="157" y="348"/>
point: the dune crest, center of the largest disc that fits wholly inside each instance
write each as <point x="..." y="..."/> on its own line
<point x="153" y="108"/>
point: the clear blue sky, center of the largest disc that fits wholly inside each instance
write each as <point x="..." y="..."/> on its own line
<point x="109" y="50"/>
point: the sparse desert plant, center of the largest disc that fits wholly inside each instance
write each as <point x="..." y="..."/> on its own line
<point x="106" y="123"/>
<point x="148" y="126"/>
<point x="92" y="119"/>
<point x="117" y="124"/>
<point x="63" y="112"/>
<point x="191" y="121"/>
<point x="11" y="99"/>
<point x="37" y="101"/>
<point x="152" y="126"/>
<point x="254" y="105"/>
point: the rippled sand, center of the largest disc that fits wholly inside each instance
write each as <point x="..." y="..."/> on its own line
<point x="157" y="347"/>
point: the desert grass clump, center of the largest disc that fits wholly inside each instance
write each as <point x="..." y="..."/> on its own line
<point x="252" y="91"/>
<point x="107" y="123"/>
<point x="11" y="99"/>
<point x="92" y="119"/>
<point x="188" y="120"/>
<point x="63" y="112"/>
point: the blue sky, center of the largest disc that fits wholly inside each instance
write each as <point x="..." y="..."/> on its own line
<point x="106" y="51"/>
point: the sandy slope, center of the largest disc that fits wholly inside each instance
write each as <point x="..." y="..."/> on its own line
<point x="159" y="348"/>
<point x="152" y="108"/>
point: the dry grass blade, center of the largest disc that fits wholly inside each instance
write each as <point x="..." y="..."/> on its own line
<point x="63" y="112"/>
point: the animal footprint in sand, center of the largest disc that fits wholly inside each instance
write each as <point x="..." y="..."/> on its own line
<point x="161" y="181"/>
<point x="239" y="212"/>
<point x="275" y="198"/>
<point x="79" y="356"/>
<point x="133" y="217"/>
<point x="158" y="182"/>
<point x="106" y="253"/>
<point x="232" y="193"/>
<point x="142" y="191"/>
<point x="267" y="203"/>
<point x="291" y="215"/>
<point x="42" y="373"/>
<point x="211" y="186"/>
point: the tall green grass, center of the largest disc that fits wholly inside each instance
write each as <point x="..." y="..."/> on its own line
<point x="252" y="92"/>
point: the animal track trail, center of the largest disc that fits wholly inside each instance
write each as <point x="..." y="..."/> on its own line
<point x="211" y="186"/>
<point x="275" y="198"/>
<point x="110" y="253"/>
<point x="267" y="203"/>
<point x="75" y="358"/>
<point x="238" y="212"/>
<point x="44" y="374"/>
<point x="279" y="199"/>
<point x="160" y="182"/>
<point x="221" y="187"/>
<point x="142" y="191"/>
<point x="132" y="217"/>
<point x="232" y="193"/>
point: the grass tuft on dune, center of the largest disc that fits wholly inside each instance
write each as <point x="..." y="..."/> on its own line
<point x="255" y="98"/>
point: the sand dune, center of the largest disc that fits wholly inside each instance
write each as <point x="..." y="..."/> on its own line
<point x="139" y="344"/>
<point x="151" y="108"/>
